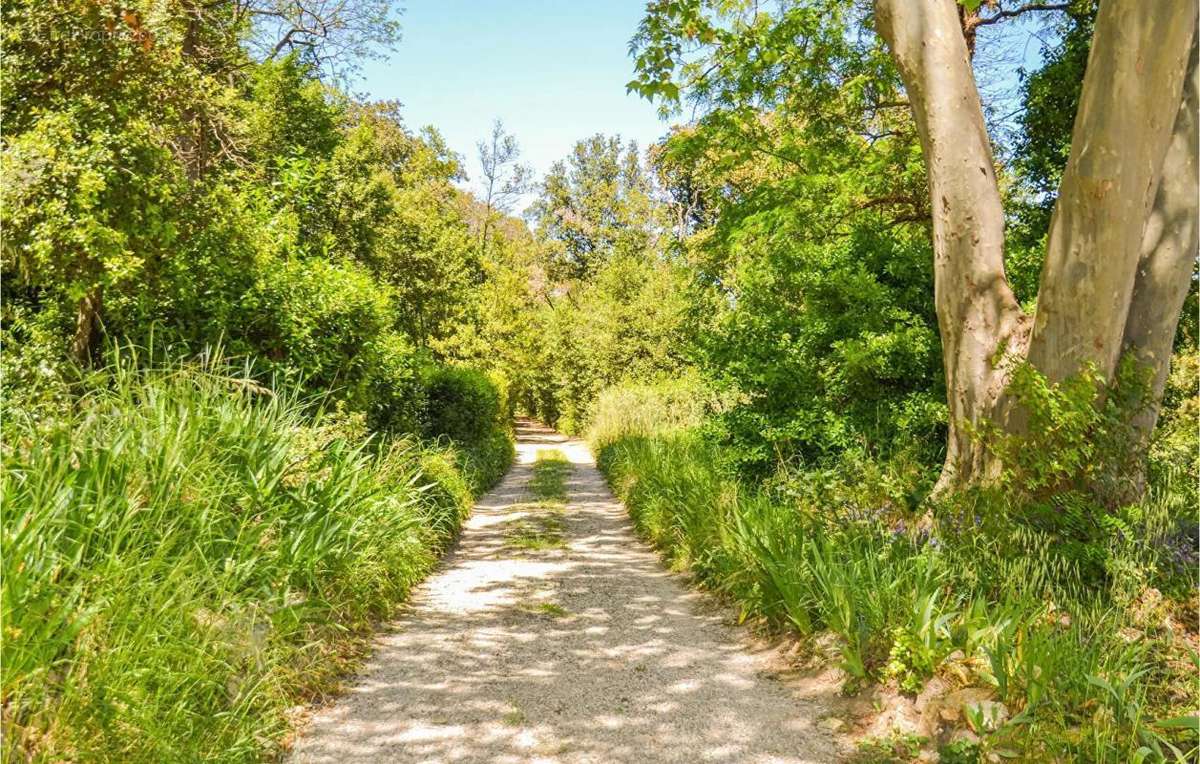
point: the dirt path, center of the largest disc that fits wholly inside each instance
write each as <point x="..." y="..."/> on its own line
<point x="588" y="653"/>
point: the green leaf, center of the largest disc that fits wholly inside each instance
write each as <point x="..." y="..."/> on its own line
<point x="1191" y="722"/>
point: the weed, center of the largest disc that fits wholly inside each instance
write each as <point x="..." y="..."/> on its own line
<point x="550" y="472"/>
<point x="896" y="748"/>
<point x="538" y="532"/>
<point x="515" y="718"/>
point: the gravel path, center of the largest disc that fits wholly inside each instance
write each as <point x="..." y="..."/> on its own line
<point x="588" y="653"/>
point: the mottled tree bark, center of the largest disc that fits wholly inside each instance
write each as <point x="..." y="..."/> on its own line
<point x="1168" y="256"/>
<point x="1131" y="96"/>
<point x="977" y="311"/>
<point x="1102" y="290"/>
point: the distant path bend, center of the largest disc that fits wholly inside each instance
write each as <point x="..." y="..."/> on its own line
<point x="588" y="653"/>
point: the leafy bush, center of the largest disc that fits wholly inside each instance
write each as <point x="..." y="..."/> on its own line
<point x="396" y="397"/>
<point x="317" y="319"/>
<point x="471" y="410"/>
<point x="484" y="461"/>
<point x="464" y="405"/>
<point x="828" y="347"/>
<point x="187" y="554"/>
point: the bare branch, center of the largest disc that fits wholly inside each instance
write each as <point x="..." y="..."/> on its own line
<point x="981" y="21"/>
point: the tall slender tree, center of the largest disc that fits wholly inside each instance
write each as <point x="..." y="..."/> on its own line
<point x="505" y="178"/>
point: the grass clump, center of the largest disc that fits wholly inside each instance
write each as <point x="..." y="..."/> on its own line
<point x="897" y="748"/>
<point x="186" y="555"/>
<point x="1079" y="661"/>
<point x="538" y="532"/>
<point x="550" y="472"/>
<point x="552" y="609"/>
<point x="548" y="609"/>
<point x="543" y="528"/>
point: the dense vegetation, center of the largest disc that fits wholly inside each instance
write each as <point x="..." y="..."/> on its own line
<point x="261" y="348"/>
<point x="243" y="409"/>
<point x="1086" y="640"/>
<point x="190" y="554"/>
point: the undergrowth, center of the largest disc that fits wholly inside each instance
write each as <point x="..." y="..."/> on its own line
<point x="186" y="555"/>
<point x="1087" y="657"/>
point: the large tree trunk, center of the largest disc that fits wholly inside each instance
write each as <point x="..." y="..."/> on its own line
<point x="1168" y="257"/>
<point x="1130" y="98"/>
<point x="977" y="311"/>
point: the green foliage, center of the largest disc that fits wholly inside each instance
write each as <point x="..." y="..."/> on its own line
<point x="1073" y="465"/>
<point x="959" y="752"/>
<point x="86" y="212"/>
<point x="1077" y="433"/>
<point x="979" y="596"/>
<point x="630" y="322"/>
<point x="188" y="551"/>
<point x="832" y="347"/>
<point x="594" y="206"/>
<point x="185" y="555"/>
<point x="289" y="115"/>
<point x="921" y="645"/>
<point x="395" y="396"/>
<point x="199" y="198"/>
<point x="468" y="408"/>
<point x="316" y="318"/>
<point x="896" y="748"/>
<point x="798" y="192"/>
<point x="463" y="404"/>
<point x="1176" y="447"/>
<point x="646" y="409"/>
<point x="745" y="325"/>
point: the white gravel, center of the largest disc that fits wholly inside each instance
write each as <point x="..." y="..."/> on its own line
<point x="637" y="669"/>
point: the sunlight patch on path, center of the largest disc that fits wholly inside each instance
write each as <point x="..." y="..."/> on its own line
<point x="588" y="653"/>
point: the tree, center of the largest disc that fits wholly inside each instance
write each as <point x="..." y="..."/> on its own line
<point x="331" y="35"/>
<point x="800" y="196"/>
<point x="504" y="178"/>
<point x="92" y="121"/>
<point x="1123" y="233"/>
<point x="596" y="204"/>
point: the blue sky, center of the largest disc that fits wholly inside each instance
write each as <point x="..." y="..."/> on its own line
<point x="553" y="70"/>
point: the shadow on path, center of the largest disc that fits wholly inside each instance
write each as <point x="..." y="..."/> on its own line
<point x="588" y="653"/>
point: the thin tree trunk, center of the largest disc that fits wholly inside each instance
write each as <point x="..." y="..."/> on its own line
<point x="87" y="326"/>
<point x="977" y="311"/>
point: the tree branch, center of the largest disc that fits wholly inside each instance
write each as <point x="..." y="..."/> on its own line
<point x="980" y="21"/>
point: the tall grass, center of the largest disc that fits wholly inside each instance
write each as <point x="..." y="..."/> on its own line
<point x="186" y="555"/>
<point x="1093" y="670"/>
